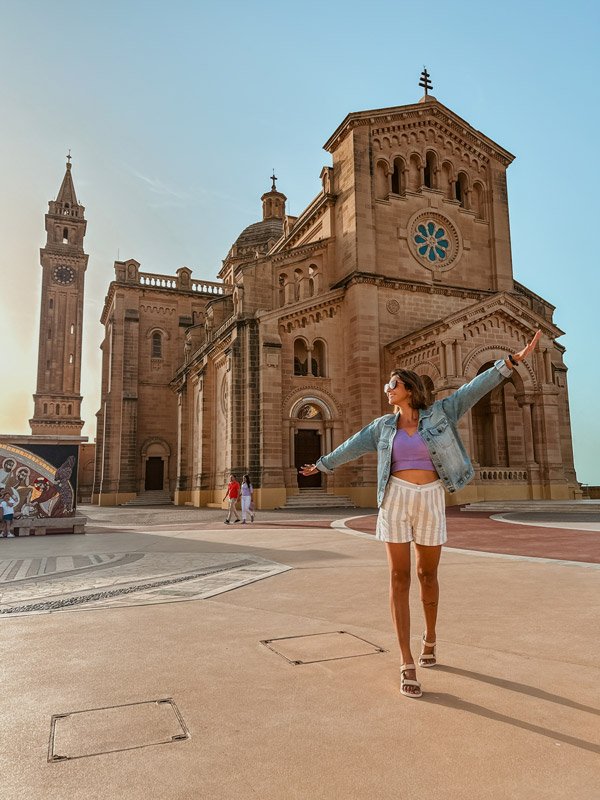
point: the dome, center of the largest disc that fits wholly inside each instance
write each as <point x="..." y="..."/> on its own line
<point x="260" y="232"/>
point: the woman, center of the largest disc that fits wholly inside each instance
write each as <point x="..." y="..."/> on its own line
<point x="419" y="454"/>
<point x="7" y="504"/>
<point x="247" y="507"/>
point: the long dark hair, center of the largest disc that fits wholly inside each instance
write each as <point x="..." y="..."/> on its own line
<point x="420" y="396"/>
<point x="246" y="480"/>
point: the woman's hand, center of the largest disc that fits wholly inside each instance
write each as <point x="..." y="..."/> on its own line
<point x="528" y="347"/>
<point x="308" y="469"/>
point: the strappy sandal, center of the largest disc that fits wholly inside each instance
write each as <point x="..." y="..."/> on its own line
<point x="404" y="682"/>
<point x="428" y="659"/>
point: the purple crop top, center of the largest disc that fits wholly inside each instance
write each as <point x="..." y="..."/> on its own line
<point x="410" y="452"/>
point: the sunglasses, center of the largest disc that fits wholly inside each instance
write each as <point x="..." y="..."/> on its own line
<point x="393" y="383"/>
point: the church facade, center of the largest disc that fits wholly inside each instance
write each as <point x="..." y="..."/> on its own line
<point x="402" y="259"/>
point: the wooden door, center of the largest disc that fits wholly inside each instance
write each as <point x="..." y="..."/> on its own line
<point x="155" y="468"/>
<point x="307" y="451"/>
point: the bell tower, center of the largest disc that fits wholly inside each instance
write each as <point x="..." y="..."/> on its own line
<point x="57" y="401"/>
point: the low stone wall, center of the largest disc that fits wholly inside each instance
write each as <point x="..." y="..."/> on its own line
<point x="37" y="526"/>
<point x="591" y="492"/>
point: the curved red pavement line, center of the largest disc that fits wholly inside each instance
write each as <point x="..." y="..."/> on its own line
<point x="469" y="530"/>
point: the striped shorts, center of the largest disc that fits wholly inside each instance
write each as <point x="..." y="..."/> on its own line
<point x="410" y="512"/>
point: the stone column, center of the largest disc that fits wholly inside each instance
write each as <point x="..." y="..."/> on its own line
<point x="292" y="432"/>
<point x="449" y="365"/>
<point x="548" y="366"/>
<point x="457" y="356"/>
<point x="525" y="403"/>
<point x="495" y="407"/>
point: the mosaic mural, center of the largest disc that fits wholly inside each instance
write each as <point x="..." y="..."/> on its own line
<point x="40" y="478"/>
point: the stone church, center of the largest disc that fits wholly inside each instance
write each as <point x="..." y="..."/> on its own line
<point x="403" y="258"/>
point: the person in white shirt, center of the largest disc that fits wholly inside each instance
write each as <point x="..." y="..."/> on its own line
<point x="7" y="504"/>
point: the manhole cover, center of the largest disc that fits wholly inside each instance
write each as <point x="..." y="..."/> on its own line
<point x="95" y="731"/>
<point x="313" y="647"/>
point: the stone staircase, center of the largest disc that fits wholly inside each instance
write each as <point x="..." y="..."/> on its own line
<point x="150" y="498"/>
<point x="535" y="506"/>
<point x="317" y="499"/>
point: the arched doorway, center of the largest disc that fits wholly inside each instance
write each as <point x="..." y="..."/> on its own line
<point x="155" y="466"/>
<point x="497" y="419"/>
<point x="309" y="440"/>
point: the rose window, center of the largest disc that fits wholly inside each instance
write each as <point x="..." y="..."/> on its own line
<point x="432" y="241"/>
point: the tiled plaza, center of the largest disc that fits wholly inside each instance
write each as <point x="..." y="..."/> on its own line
<point x="164" y="654"/>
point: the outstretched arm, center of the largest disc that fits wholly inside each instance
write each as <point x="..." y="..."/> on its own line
<point x="465" y="398"/>
<point x="365" y="441"/>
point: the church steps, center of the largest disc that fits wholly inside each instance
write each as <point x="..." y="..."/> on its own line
<point x="537" y="506"/>
<point x="317" y="499"/>
<point x="151" y="498"/>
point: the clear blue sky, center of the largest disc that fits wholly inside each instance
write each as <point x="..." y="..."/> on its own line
<point x="177" y="112"/>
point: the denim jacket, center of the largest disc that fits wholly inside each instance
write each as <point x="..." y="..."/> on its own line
<point x="438" y="428"/>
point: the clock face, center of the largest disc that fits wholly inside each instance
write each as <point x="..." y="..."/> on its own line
<point x="63" y="275"/>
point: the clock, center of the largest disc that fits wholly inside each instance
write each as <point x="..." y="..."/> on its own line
<point x="63" y="275"/>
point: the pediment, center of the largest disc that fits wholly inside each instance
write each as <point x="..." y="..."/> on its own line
<point x="500" y="312"/>
<point x="417" y="118"/>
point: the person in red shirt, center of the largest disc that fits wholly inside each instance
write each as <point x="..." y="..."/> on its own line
<point x="233" y="492"/>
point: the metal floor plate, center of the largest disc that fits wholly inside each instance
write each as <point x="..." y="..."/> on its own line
<point x="314" y="647"/>
<point x="80" y="734"/>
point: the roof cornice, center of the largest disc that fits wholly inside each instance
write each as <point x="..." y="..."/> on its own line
<point x="416" y="111"/>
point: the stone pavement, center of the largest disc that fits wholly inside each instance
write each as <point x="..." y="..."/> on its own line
<point x="167" y="655"/>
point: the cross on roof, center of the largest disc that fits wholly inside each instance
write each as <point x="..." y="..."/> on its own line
<point x="273" y="178"/>
<point x="425" y="82"/>
<point x="69" y="157"/>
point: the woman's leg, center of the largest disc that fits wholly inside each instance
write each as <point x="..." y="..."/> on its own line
<point x="428" y="558"/>
<point x="245" y="505"/>
<point x="399" y="560"/>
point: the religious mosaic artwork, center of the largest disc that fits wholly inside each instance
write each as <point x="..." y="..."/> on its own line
<point x="41" y="479"/>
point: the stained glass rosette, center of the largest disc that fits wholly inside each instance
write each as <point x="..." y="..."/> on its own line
<point x="432" y="241"/>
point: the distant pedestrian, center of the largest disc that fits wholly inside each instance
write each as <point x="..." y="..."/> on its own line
<point x="231" y="495"/>
<point x="247" y="499"/>
<point x="7" y="504"/>
<point x="419" y="454"/>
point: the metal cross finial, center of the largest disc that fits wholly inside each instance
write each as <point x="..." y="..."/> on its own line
<point x="69" y="157"/>
<point x="425" y="82"/>
<point x="273" y="178"/>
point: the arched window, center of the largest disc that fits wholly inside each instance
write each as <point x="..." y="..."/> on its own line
<point x="414" y="173"/>
<point x="381" y="180"/>
<point x="462" y="189"/>
<point x="318" y="366"/>
<point x="281" y="291"/>
<point x="300" y="357"/>
<point x="314" y="280"/>
<point x="156" y="345"/>
<point x="70" y="358"/>
<point x="57" y="410"/>
<point x="45" y="408"/>
<point x="479" y="200"/>
<point x="69" y="409"/>
<point x="72" y="329"/>
<point x="398" y="176"/>
<point x="51" y="303"/>
<point x="65" y="236"/>
<point x="446" y="180"/>
<point x="429" y="175"/>
<point x="297" y="279"/>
